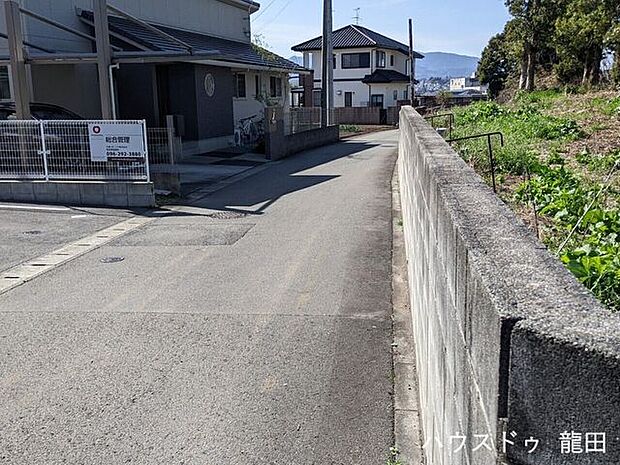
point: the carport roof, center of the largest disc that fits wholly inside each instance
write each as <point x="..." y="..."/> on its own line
<point x="228" y="50"/>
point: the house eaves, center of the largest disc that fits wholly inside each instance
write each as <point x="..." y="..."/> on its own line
<point x="253" y="7"/>
<point x="229" y="51"/>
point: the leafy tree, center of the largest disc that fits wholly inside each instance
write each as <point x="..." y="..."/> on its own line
<point x="533" y="27"/>
<point x="613" y="42"/>
<point x="496" y="64"/>
<point x="581" y="36"/>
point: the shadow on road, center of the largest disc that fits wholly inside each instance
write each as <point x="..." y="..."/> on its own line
<point x="277" y="180"/>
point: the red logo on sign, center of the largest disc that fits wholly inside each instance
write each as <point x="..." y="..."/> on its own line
<point x="96" y="129"/>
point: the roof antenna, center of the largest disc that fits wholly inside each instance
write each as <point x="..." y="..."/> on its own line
<point x="357" y="17"/>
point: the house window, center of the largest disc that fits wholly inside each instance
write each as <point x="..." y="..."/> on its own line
<point x="5" y="83"/>
<point x="406" y="94"/>
<point x="392" y="60"/>
<point x="275" y="86"/>
<point x="316" y="98"/>
<point x="240" y="85"/>
<point x="380" y="59"/>
<point x="376" y="100"/>
<point x="257" y="85"/>
<point x="334" y="61"/>
<point x="395" y="95"/>
<point x="355" y="60"/>
<point x="348" y="99"/>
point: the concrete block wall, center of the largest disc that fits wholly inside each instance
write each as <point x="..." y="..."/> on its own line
<point x="357" y="115"/>
<point x="278" y="145"/>
<point x="111" y="194"/>
<point x="502" y="330"/>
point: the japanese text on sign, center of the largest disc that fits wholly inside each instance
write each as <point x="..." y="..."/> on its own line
<point x="116" y="141"/>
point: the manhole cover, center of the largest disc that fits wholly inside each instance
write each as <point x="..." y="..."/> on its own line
<point x="33" y="233"/>
<point x="112" y="259"/>
<point x="227" y="215"/>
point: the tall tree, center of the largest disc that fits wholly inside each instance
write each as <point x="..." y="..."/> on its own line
<point x="582" y="35"/>
<point x="496" y="64"/>
<point x="533" y="26"/>
<point x="612" y="41"/>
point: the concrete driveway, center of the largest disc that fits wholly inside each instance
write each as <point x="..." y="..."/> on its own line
<point x="253" y="327"/>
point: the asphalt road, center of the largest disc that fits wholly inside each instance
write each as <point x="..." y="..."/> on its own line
<point x="258" y="335"/>
<point x="29" y="231"/>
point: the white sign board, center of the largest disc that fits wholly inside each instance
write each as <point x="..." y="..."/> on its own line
<point x="116" y="141"/>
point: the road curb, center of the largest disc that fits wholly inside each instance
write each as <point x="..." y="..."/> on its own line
<point x="407" y="426"/>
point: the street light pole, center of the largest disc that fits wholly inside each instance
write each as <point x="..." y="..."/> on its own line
<point x="327" y="68"/>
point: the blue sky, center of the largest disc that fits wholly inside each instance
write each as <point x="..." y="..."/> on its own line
<point x="456" y="26"/>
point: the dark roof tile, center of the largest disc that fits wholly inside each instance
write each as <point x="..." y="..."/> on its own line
<point x="229" y="50"/>
<point x="380" y="76"/>
<point x="354" y="36"/>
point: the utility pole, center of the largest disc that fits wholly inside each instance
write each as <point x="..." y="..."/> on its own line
<point x="327" y="68"/>
<point x="104" y="57"/>
<point x="411" y="63"/>
<point x="357" y="17"/>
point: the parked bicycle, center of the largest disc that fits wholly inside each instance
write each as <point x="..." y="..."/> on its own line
<point x="249" y="131"/>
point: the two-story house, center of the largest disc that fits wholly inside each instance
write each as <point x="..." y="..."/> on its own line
<point x="370" y="69"/>
<point x="203" y="67"/>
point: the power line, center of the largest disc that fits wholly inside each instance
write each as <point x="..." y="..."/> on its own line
<point x="262" y="11"/>
<point x="277" y="15"/>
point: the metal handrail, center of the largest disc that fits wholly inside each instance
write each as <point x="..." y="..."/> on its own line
<point x="443" y="115"/>
<point x="488" y="135"/>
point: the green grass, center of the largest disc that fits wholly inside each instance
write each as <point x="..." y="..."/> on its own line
<point x="610" y="107"/>
<point x="393" y="458"/>
<point x="570" y="192"/>
<point x="350" y="128"/>
<point x="525" y="127"/>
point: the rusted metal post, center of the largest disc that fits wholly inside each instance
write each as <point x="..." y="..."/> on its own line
<point x="492" y="162"/>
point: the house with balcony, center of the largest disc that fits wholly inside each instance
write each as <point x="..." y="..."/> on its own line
<point x="370" y="69"/>
<point x="190" y="58"/>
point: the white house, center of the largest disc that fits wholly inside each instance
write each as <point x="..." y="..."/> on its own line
<point x="370" y="69"/>
<point x="203" y="67"/>
<point x="467" y="83"/>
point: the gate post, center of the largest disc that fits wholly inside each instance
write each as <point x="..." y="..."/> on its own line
<point x="170" y="132"/>
<point x="44" y="151"/>
<point x="146" y="151"/>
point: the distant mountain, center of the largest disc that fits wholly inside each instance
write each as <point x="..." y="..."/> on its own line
<point x="441" y="64"/>
<point x="297" y="59"/>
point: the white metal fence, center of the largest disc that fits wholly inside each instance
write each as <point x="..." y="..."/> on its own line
<point x="61" y="150"/>
<point x="165" y="147"/>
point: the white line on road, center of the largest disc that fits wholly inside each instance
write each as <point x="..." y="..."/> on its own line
<point x="34" y="207"/>
<point x="30" y="269"/>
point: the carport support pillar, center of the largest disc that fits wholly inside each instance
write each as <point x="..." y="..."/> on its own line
<point x="19" y="71"/>
<point x="104" y="57"/>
